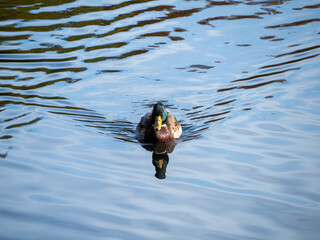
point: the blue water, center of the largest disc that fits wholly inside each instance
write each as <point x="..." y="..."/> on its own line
<point x="242" y="77"/>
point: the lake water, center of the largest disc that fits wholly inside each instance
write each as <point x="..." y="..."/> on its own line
<point x="242" y="77"/>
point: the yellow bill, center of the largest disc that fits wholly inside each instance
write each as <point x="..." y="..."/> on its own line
<point x="160" y="163"/>
<point x="158" y="123"/>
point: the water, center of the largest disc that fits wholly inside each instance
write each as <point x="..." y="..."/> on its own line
<point x="242" y="77"/>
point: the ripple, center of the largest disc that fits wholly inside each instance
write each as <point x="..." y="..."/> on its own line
<point x="241" y="77"/>
<point x="296" y="23"/>
<point x="289" y="62"/>
<point x="253" y="86"/>
<point x="308" y="7"/>
<point x="232" y="17"/>
<point x="265" y="75"/>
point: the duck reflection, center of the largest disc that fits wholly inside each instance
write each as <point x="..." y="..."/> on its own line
<point x="160" y="162"/>
<point x="160" y="157"/>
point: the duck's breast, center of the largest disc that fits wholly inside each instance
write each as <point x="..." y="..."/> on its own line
<point x="163" y="135"/>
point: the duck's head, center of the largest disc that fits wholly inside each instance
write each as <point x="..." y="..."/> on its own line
<point x="159" y="116"/>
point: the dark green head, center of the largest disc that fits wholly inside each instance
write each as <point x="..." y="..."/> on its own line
<point x="159" y="116"/>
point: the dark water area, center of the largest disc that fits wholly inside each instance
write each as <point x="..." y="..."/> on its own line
<point x="242" y="78"/>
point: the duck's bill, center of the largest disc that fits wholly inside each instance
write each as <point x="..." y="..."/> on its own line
<point x="158" y="123"/>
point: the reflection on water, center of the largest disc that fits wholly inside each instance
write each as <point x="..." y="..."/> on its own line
<point x="160" y="162"/>
<point x="160" y="157"/>
<point x="240" y="76"/>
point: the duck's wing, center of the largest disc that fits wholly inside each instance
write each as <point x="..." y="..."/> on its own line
<point x="143" y="126"/>
<point x="173" y="125"/>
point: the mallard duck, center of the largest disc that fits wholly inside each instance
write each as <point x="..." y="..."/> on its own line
<point x="158" y="125"/>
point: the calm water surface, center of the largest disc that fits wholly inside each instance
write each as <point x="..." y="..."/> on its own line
<point x="242" y="77"/>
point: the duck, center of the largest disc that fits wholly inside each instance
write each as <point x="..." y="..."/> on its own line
<point x="158" y="125"/>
